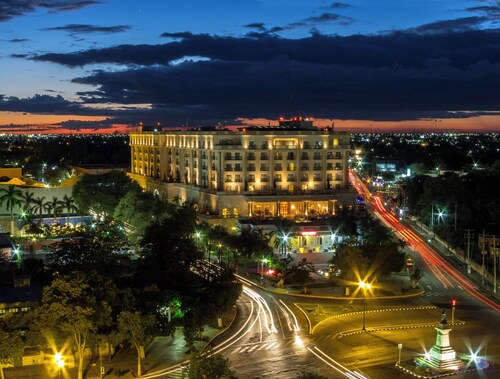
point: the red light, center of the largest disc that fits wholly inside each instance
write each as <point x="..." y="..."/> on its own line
<point x="67" y="143"/>
<point x="308" y="233"/>
<point x="270" y="272"/>
<point x="453" y="302"/>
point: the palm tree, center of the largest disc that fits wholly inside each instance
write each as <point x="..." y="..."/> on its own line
<point x="28" y="200"/>
<point x="54" y="206"/>
<point x="68" y="203"/>
<point x="10" y="196"/>
<point x="39" y="206"/>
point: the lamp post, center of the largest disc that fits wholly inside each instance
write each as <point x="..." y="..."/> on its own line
<point x="285" y="242"/>
<point x="198" y="236"/>
<point x="219" y="250"/>
<point x="364" y="287"/>
<point x="59" y="361"/>
<point x="262" y="267"/>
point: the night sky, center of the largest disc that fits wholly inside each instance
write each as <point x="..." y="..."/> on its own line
<point x="385" y="65"/>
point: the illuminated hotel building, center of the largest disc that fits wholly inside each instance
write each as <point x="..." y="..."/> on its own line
<point x="292" y="170"/>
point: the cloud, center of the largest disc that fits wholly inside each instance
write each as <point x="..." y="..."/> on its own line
<point x="18" y="40"/>
<point x="330" y="18"/>
<point x="39" y="104"/>
<point x="75" y="29"/>
<point x="339" y="5"/>
<point x="458" y="24"/>
<point x="259" y="26"/>
<point x="406" y="74"/>
<point x="10" y="9"/>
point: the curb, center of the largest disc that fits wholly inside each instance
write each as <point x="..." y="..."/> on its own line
<point x="309" y="332"/>
<point x="423" y="307"/>
<point x="223" y="330"/>
<point x="397" y="365"/>
<point x="356" y="298"/>
<point x="399" y="327"/>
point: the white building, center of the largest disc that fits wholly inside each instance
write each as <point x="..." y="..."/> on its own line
<point x="293" y="170"/>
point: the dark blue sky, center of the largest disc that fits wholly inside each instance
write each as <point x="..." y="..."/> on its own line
<point x="93" y="64"/>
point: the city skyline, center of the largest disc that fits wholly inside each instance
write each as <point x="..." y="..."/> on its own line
<point x="88" y="65"/>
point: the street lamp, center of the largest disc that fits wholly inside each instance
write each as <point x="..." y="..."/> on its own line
<point x="364" y="287"/>
<point x="285" y="242"/>
<point x="59" y="361"/>
<point x="219" y="250"/>
<point x="198" y="236"/>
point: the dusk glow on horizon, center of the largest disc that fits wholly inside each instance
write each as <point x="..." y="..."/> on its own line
<point x="77" y="66"/>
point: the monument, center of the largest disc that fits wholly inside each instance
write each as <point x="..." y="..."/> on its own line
<point x="441" y="359"/>
<point x="442" y="356"/>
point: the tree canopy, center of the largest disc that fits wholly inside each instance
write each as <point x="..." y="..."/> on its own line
<point x="103" y="192"/>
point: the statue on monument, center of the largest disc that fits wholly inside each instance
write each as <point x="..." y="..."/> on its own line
<point x="443" y="318"/>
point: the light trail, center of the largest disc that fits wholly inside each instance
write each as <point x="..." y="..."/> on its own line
<point x="340" y="368"/>
<point x="266" y="311"/>
<point x="233" y="339"/>
<point x="296" y="326"/>
<point x="444" y="272"/>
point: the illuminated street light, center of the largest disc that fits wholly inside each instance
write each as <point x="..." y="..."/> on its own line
<point x="198" y="236"/>
<point x="59" y="361"/>
<point x="364" y="287"/>
<point x="284" y="244"/>
<point x="219" y="250"/>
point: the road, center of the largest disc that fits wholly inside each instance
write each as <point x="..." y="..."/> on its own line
<point x="270" y="337"/>
<point x="446" y="279"/>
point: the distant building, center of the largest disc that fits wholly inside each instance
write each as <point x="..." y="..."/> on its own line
<point x="97" y="169"/>
<point x="8" y="173"/>
<point x="292" y="170"/>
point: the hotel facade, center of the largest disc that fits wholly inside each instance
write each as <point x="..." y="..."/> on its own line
<point x="293" y="170"/>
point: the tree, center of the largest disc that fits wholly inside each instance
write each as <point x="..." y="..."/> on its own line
<point x="283" y="265"/>
<point x="11" y="197"/>
<point x="169" y="249"/>
<point x="302" y="272"/>
<point x="11" y="347"/>
<point x="210" y="366"/>
<point x="27" y="200"/>
<point x="89" y="253"/>
<point x="219" y="294"/>
<point x="72" y="309"/>
<point x="39" y="206"/>
<point x="54" y="206"/>
<point x="351" y="262"/>
<point x="415" y="276"/>
<point x="251" y="242"/>
<point x="138" y="329"/>
<point x="138" y="209"/>
<point x="102" y="193"/>
<point x="68" y="203"/>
